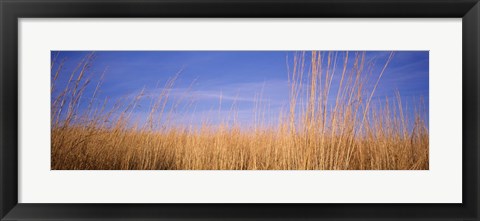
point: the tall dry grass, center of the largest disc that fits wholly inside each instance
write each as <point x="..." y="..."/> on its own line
<point x="325" y="127"/>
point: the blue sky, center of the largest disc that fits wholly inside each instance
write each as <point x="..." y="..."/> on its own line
<point x="239" y="78"/>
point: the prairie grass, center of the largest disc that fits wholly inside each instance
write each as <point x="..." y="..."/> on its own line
<point x="352" y="131"/>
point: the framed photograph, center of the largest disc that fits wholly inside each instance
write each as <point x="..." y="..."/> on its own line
<point x="229" y="110"/>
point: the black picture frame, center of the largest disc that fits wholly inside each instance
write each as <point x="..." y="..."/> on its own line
<point x="11" y="10"/>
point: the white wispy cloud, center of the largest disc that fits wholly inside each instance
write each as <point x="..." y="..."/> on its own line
<point x="265" y="91"/>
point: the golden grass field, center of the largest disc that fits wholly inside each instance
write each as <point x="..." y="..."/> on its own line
<point x="352" y="132"/>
